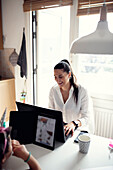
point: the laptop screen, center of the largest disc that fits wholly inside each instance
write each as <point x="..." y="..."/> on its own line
<point x="59" y="131"/>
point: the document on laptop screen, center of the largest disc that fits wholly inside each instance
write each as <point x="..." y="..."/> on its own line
<point x="45" y="130"/>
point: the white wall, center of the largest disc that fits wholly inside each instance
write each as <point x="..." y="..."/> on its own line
<point x="13" y="20"/>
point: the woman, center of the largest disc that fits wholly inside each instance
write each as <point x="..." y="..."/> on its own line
<point x="7" y="146"/>
<point x="68" y="97"/>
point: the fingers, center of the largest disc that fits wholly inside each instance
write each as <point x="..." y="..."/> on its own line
<point x="68" y="128"/>
<point x="68" y="131"/>
<point x="18" y="150"/>
<point x="15" y="142"/>
<point x="16" y="146"/>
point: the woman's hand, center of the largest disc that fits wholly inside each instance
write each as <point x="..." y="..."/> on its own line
<point x="19" y="150"/>
<point x="68" y="128"/>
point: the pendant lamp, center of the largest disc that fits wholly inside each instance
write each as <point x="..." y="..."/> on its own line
<point x="98" y="42"/>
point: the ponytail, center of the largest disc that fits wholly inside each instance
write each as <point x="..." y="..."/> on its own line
<point x="75" y="93"/>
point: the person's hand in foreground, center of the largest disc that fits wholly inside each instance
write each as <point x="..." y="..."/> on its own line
<point x="21" y="152"/>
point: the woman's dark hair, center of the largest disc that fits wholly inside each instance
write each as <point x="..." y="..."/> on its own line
<point x="65" y="65"/>
<point x="4" y="143"/>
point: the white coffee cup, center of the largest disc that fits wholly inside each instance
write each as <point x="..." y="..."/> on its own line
<point x="84" y="142"/>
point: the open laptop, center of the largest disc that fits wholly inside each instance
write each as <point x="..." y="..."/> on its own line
<point x="29" y="127"/>
<point x="59" y="134"/>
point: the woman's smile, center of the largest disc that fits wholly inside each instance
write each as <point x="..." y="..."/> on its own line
<point x="61" y="77"/>
<point x="60" y="83"/>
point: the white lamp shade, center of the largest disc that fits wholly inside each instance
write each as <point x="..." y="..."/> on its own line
<point x="98" y="42"/>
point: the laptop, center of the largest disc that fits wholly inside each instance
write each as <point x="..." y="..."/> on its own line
<point x="59" y="130"/>
<point x="29" y="127"/>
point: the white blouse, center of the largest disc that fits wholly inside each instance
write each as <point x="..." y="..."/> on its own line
<point x="71" y="110"/>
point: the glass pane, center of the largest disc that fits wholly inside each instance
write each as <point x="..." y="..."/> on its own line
<point x="53" y="45"/>
<point x="95" y="71"/>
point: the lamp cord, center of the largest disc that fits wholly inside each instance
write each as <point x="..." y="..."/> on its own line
<point x="60" y="2"/>
<point x="88" y="8"/>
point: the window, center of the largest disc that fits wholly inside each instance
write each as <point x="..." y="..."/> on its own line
<point x="53" y="45"/>
<point x="95" y="71"/>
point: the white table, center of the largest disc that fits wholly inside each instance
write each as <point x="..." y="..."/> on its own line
<point x="67" y="156"/>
